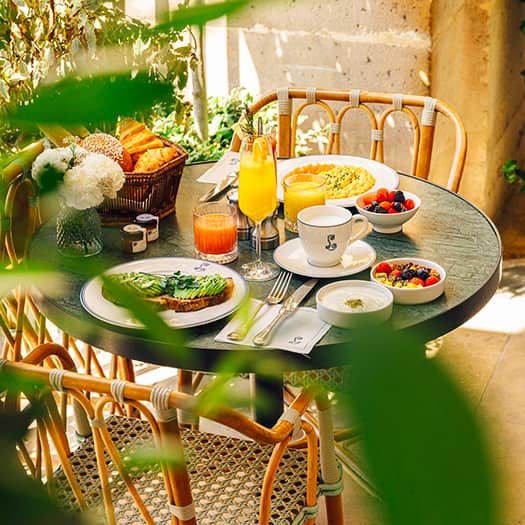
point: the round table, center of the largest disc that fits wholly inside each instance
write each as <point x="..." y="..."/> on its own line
<point x="447" y="229"/>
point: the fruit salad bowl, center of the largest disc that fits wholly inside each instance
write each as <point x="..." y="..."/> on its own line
<point x="411" y="280"/>
<point x="387" y="210"/>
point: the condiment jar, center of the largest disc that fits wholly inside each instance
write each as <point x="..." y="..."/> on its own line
<point x="244" y="224"/>
<point x="151" y="223"/>
<point x="133" y="238"/>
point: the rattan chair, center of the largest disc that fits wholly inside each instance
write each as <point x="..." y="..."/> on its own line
<point x="337" y="109"/>
<point x="183" y="476"/>
<point x="21" y="322"/>
<point x="353" y="117"/>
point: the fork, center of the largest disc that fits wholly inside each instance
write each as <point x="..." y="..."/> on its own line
<point x="275" y="296"/>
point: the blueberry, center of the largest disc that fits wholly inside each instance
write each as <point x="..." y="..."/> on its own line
<point x="407" y="274"/>
<point x="374" y="204"/>
<point x="378" y="209"/>
<point x="397" y="206"/>
<point x="422" y="273"/>
<point x="399" y="196"/>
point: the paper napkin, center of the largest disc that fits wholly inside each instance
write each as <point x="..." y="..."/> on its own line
<point x="227" y="164"/>
<point x="297" y="333"/>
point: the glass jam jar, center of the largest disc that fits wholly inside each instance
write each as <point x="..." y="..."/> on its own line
<point x="151" y="223"/>
<point x="133" y="238"/>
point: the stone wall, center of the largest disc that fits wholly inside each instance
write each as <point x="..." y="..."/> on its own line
<point x="477" y="54"/>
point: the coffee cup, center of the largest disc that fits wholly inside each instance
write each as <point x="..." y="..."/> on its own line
<point x="326" y="232"/>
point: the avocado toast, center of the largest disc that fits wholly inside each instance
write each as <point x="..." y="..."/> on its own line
<point x="177" y="291"/>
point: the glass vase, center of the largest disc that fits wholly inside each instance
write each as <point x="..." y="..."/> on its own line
<point x="79" y="232"/>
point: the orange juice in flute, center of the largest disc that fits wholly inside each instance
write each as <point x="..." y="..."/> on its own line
<point x="257" y="198"/>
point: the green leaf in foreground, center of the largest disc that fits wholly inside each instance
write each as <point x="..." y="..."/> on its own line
<point x="426" y="451"/>
<point x="197" y="15"/>
<point x="97" y="99"/>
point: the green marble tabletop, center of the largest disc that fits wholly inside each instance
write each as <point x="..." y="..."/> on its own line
<point x="447" y="229"/>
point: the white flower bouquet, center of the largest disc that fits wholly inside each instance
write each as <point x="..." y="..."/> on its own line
<point x="82" y="179"/>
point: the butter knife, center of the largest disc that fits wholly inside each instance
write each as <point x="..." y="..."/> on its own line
<point x="220" y="186"/>
<point x="289" y="306"/>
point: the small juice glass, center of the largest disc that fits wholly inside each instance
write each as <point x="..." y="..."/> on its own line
<point x="301" y="190"/>
<point x="215" y="232"/>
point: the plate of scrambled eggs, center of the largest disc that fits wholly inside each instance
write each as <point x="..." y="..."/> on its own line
<point x="346" y="177"/>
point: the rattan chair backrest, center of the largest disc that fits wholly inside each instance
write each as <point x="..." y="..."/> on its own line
<point x="379" y="113"/>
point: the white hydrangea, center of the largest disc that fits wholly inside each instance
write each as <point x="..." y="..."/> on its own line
<point x="58" y="158"/>
<point x="88" y="177"/>
<point x="109" y="174"/>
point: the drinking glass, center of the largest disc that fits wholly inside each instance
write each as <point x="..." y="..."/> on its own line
<point x="301" y="190"/>
<point x="215" y="232"/>
<point x="257" y="198"/>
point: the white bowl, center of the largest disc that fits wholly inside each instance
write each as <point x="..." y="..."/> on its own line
<point x="376" y="305"/>
<point x="388" y="222"/>
<point x="414" y="295"/>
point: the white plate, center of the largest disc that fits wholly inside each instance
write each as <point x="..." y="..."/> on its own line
<point x="291" y="256"/>
<point x="385" y="176"/>
<point x="98" y="306"/>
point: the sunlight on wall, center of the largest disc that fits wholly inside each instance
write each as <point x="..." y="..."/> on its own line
<point x="248" y="76"/>
<point x="217" y="57"/>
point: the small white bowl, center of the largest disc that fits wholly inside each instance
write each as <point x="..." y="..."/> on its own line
<point x="414" y="295"/>
<point x="376" y="303"/>
<point x="388" y="222"/>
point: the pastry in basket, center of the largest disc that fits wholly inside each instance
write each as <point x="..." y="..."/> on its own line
<point x="109" y="146"/>
<point x="179" y="292"/>
<point x="136" y="138"/>
<point x="153" y="159"/>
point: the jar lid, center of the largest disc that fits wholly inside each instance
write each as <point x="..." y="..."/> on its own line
<point x="146" y="218"/>
<point x="133" y="232"/>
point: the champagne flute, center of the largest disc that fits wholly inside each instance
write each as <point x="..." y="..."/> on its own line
<point x="257" y="198"/>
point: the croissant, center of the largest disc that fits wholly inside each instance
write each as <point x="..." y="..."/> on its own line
<point x="153" y="159"/>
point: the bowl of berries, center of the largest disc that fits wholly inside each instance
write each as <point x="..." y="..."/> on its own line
<point x="387" y="210"/>
<point x="411" y="280"/>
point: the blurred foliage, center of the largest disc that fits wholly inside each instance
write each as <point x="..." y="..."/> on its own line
<point x="426" y="450"/>
<point x="223" y="113"/>
<point x="39" y="40"/>
<point x="513" y="174"/>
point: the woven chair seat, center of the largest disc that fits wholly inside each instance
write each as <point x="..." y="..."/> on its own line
<point x="226" y="477"/>
<point x="331" y="379"/>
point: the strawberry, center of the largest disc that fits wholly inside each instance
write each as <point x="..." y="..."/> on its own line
<point x="431" y="279"/>
<point x="391" y="195"/>
<point x="382" y="195"/>
<point x="369" y="199"/>
<point x="383" y="267"/>
<point x="395" y="273"/>
<point x="392" y="210"/>
<point x="409" y="204"/>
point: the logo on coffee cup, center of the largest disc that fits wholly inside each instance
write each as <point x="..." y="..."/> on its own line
<point x="331" y="246"/>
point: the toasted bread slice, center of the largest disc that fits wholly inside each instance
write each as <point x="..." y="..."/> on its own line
<point x="167" y="302"/>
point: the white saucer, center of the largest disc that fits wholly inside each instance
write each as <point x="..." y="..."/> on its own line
<point x="291" y="256"/>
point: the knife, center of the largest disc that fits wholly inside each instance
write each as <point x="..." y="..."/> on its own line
<point x="220" y="186"/>
<point x="289" y="306"/>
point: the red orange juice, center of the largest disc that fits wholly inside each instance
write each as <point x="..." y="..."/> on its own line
<point x="215" y="232"/>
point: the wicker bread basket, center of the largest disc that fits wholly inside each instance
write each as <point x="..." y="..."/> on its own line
<point x="152" y="192"/>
